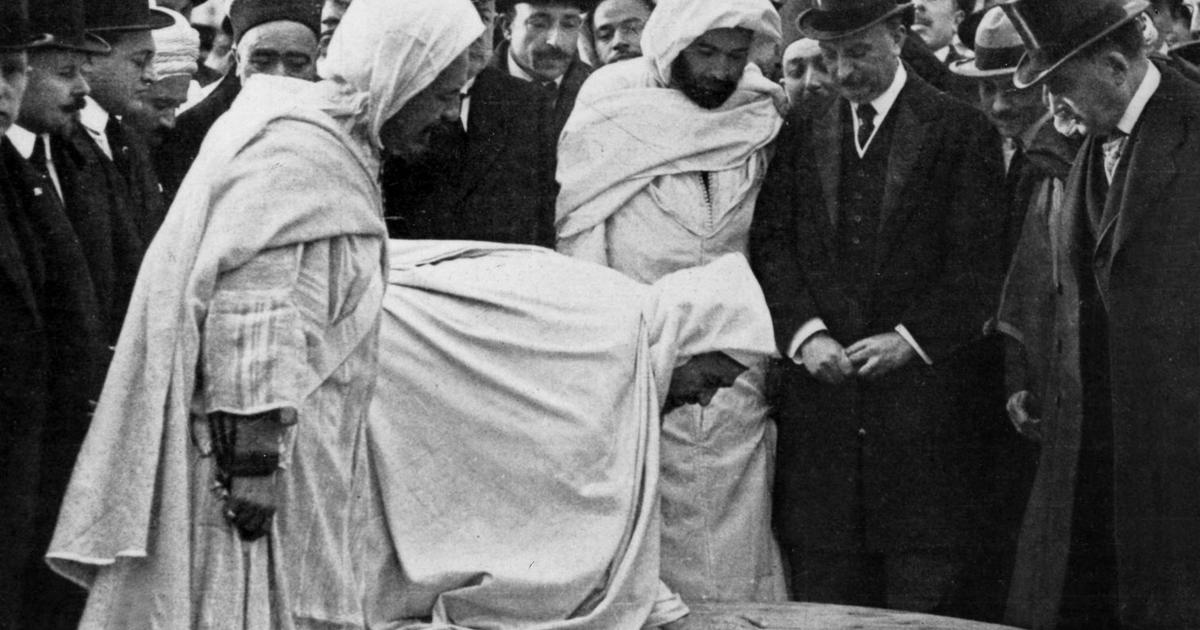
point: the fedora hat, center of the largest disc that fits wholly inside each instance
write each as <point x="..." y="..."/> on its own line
<point x="61" y="24"/>
<point x="1054" y="32"/>
<point x="123" y="15"/>
<point x="998" y="48"/>
<point x="831" y="19"/>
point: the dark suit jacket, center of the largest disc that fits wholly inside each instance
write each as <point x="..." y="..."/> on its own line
<point x="937" y="270"/>
<point x="919" y="58"/>
<point x="499" y="187"/>
<point x="180" y="147"/>
<point x="1145" y="265"/>
<point x="52" y="362"/>
<point x="577" y="73"/>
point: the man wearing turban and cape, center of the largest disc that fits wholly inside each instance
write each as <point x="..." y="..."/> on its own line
<point x="515" y="433"/>
<point x="660" y="166"/>
<point x="219" y="485"/>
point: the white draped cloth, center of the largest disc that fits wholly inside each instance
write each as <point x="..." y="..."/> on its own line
<point x="261" y="291"/>
<point x="514" y="434"/>
<point x="653" y="183"/>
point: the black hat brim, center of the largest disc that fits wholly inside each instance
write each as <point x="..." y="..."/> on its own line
<point x="155" y="20"/>
<point x="1030" y="72"/>
<point x="815" y="24"/>
<point x="87" y="43"/>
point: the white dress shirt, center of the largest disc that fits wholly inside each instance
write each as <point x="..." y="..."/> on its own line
<point x="95" y="120"/>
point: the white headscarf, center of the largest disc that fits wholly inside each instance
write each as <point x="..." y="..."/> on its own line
<point x="176" y="48"/>
<point x="379" y="50"/>
<point x="675" y="24"/>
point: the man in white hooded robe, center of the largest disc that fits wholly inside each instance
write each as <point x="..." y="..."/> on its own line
<point x="660" y="166"/>
<point x="220" y="483"/>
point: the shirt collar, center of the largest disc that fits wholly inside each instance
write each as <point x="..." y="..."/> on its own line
<point x="22" y="139"/>
<point x="942" y="53"/>
<point x="93" y="116"/>
<point x="465" y="92"/>
<point x="1133" y="111"/>
<point x="516" y="70"/>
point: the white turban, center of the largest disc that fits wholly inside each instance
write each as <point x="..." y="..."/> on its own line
<point x="675" y="24"/>
<point x="176" y="48"/>
<point x="393" y="49"/>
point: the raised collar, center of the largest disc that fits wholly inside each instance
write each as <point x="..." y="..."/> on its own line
<point x="1137" y="104"/>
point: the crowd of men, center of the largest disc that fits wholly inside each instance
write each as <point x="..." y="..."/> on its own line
<point x="569" y="313"/>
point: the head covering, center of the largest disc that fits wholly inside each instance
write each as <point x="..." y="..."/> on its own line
<point x="176" y="48"/>
<point x="121" y="15"/>
<point x="831" y="19"/>
<point x="997" y="47"/>
<point x="585" y="6"/>
<point x="390" y="59"/>
<point x="675" y="24"/>
<point x="1055" y="32"/>
<point x="14" y="25"/>
<point x="246" y="14"/>
<point x="62" y="22"/>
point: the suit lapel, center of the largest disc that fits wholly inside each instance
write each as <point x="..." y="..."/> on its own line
<point x="908" y="136"/>
<point x="486" y="134"/>
<point x="10" y="251"/>
<point x="827" y="143"/>
<point x="1151" y="168"/>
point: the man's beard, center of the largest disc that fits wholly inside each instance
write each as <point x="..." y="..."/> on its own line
<point x="705" y="92"/>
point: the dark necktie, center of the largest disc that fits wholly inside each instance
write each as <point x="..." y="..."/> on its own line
<point x="1015" y="165"/>
<point x="866" y="124"/>
<point x="550" y="89"/>
<point x="37" y="160"/>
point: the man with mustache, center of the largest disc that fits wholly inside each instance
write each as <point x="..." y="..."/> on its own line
<point x="936" y="21"/>
<point x="660" y="167"/>
<point x="1109" y="535"/>
<point x="877" y="240"/>
<point x="541" y="42"/>
<point x="488" y="176"/>
<point x="613" y="31"/>
<point x="51" y="356"/>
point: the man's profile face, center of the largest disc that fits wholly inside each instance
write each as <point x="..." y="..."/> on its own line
<point x="480" y="51"/>
<point x="861" y="66"/>
<point x="121" y="78"/>
<point x="1086" y="91"/>
<point x="407" y="134"/>
<point x="1172" y="21"/>
<point x="1011" y="110"/>
<point x="14" y="74"/>
<point x="155" y="114"/>
<point x="331" y="15"/>
<point x="543" y="37"/>
<point x="617" y="28"/>
<point x="709" y="69"/>
<point x="55" y="91"/>
<point x="698" y="380"/>
<point x="804" y="73"/>
<point x="282" y="48"/>
<point x="936" y="21"/>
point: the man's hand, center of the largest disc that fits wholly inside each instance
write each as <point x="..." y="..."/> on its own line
<point x="1022" y="412"/>
<point x="878" y="355"/>
<point x="251" y="505"/>
<point x="714" y="621"/>
<point x="826" y="359"/>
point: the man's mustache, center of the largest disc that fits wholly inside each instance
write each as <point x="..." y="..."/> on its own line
<point x="552" y="53"/>
<point x="75" y="106"/>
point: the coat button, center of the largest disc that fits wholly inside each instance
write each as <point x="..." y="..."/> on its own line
<point x="856" y="241"/>
<point x="862" y="433"/>
<point x="857" y="218"/>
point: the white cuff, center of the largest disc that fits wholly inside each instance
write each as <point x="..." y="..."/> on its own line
<point x="913" y="342"/>
<point x="810" y="328"/>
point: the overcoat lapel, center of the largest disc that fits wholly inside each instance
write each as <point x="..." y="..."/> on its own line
<point x="827" y="142"/>
<point x="486" y="136"/>
<point x="908" y="139"/>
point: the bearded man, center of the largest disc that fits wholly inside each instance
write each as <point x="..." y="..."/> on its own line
<point x="218" y="486"/>
<point x="660" y="169"/>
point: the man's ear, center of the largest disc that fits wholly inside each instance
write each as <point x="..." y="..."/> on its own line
<point x="505" y="21"/>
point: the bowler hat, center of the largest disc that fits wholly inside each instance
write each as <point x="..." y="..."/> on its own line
<point x="61" y="22"/>
<point x="122" y="15"/>
<point x="246" y="14"/>
<point x="831" y="19"/>
<point x="1055" y="32"/>
<point x="14" y="26"/>
<point x="998" y="47"/>
<point x="584" y="6"/>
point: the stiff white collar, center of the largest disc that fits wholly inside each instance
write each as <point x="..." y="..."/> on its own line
<point x="882" y="104"/>
<point x="1133" y="111"/>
